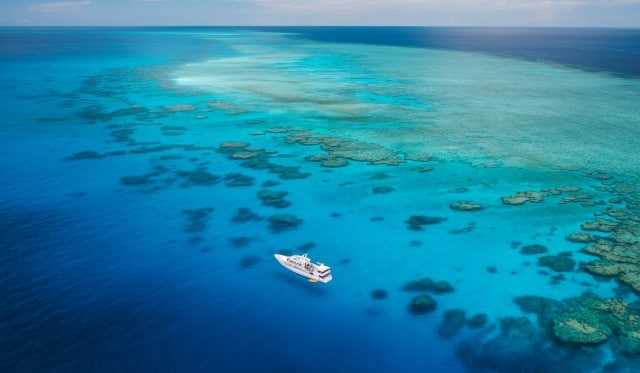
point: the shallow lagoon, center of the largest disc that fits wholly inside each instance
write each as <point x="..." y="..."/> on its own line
<point x="124" y="251"/>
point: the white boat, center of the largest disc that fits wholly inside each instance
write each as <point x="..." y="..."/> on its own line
<point x="301" y="264"/>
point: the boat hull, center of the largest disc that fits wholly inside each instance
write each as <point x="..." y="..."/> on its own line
<point x="312" y="274"/>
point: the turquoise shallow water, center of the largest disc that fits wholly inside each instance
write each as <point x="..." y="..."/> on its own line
<point x="124" y="249"/>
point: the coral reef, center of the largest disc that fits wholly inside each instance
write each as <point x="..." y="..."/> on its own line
<point x="538" y="196"/>
<point x="477" y="321"/>
<point x="239" y="242"/>
<point x="244" y="215"/>
<point x="259" y="159"/>
<point x="452" y="323"/>
<point x="90" y="154"/>
<point x="197" y="219"/>
<point x="199" y="176"/>
<point x="233" y="144"/>
<point x="601" y="225"/>
<point x="416" y="222"/>
<point x="379" y="294"/>
<point x="558" y="263"/>
<point x="180" y="107"/>
<point x="587" y="319"/>
<point x="249" y="261"/>
<point x="427" y="284"/>
<point x="580" y="237"/>
<point x="523" y="197"/>
<point x="341" y="149"/>
<point x="235" y="179"/>
<point x="466" y="206"/>
<point x="580" y="330"/>
<point x="533" y="249"/>
<point x="274" y="198"/>
<point x="283" y="222"/>
<point x="422" y="304"/>
<point x="305" y="247"/>
<point x="382" y="189"/>
<point x="334" y="162"/>
<point x="316" y="157"/>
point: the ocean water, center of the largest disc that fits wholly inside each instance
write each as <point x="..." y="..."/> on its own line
<point x="134" y="237"/>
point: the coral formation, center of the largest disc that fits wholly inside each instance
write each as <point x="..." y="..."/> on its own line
<point x="235" y="179"/>
<point x="587" y="319"/>
<point x="199" y="176"/>
<point x="427" y="284"/>
<point x="316" y="157"/>
<point x="382" y="189"/>
<point x="477" y="321"/>
<point x="453" y="322"/>
<point x="244" y="214"/>
<point x="233" y="144"/>
<point x="239" y="242"/>
<point x="379" y="294"/>
<point x="557" y="263"/>
<point x="466" y="206"/>
<point x="422" y="304"/>
<point x="343" y="148"/>
<point x="523" y="197"/>
<point x="90" y="154"/>
<point x="416" y="222"/>
<point x="601" y="225"/>
<point x="533" y="249"/>
<point x="283" y="222"/>
<point x="249" y="261"/>
<point x="334" y="162"/>
<point x="581" y="237"/>
<point x="576" y="329"/>
<point x="197" y="219"/>
<point x="274" y="198"/>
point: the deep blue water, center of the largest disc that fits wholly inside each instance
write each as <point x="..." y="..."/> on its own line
<point x="615" y="51"/>
<point x="120" y="247"/>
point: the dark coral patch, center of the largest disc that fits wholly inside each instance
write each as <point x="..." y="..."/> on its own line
<point x="416" y="222"/>
<point x="379" y="294"/>
<point x="533" y="249"/>
<point x="453" y="322"/>
<point x="422" y="304"/>
<point x="283" y="222"/>
<point x="270" y="183"/>
<point x="135" y="179"/>
<point x="235" y="179"/>
<point x="168" y="157"/>
<point x="244" y="215"/>
<point x="466" y="206"/>
<point x="173" y="128"/>
<point x="90" y="154"/>
<point x="143" y="179"/>
<point x="249" y="261"/>
<point x="382" y="190"/>
<point x="239" y="242"/>
<point x="274" y="198"/>
<point x="427" y="284"/>
<point x="199" y="176"/>
<point x="379" y="176"/>
<point x="306" y="246"/>
<point x="197" y="219"/>
<point x="122" y="135"/>
<point x="557" y="263"/>
<point x="477" y="321"/>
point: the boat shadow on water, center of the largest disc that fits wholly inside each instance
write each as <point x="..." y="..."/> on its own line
<point x="299" y="282"/>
